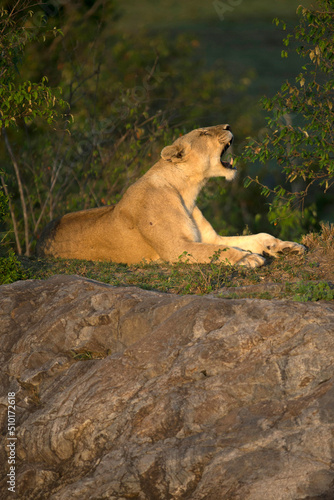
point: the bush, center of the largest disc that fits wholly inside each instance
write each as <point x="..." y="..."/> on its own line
<point x="22" y="102"/>
<point x="305" y="292"/>
<point x="300" y="129"/>
<point x="10" y="269"/>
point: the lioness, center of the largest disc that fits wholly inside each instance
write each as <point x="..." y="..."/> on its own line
<point x="157" y="218"/>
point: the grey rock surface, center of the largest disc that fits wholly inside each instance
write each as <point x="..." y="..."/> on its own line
<point x="186" y="397"/>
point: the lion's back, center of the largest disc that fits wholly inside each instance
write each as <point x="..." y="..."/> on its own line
<point x="66" y="233"/>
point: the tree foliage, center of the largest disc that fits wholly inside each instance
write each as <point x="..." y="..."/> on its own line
<point x="23" y="100"/>
<point x="300" y="128"/>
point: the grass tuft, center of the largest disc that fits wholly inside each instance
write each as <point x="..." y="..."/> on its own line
<point x="324" y="239"/>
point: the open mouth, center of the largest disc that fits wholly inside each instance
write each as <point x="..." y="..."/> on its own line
<point x="227" y="163"/>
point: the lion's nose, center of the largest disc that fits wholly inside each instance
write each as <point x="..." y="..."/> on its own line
<point x="227" y="127"/>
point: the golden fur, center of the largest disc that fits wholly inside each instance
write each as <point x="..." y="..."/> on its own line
<point x="157" y="218"/>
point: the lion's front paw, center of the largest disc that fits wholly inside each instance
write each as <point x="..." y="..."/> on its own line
<point x="252" y="260"/>
<point x="291" y="247"/>
<point x="285" y="247"/>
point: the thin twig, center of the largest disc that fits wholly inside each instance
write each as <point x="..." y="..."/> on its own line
<point x="12" y="214"/>
<point x="20" y="186"/>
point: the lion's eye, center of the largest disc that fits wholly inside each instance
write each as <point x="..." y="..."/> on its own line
<point x="204" y="132"/>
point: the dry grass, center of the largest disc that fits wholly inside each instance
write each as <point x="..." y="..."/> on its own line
<point x="322" y="240"/>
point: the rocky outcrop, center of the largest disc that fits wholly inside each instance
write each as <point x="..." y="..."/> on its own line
<point x="123" y="393"/>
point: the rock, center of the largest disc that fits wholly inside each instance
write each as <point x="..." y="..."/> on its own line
<point x="184" y="397"/>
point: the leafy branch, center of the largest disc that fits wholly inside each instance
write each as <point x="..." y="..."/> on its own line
<point x="300" y="135"/>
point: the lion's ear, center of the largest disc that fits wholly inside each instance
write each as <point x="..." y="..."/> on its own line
<point x="175" y="152"/>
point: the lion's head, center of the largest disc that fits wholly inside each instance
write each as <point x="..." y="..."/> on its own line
<point x="204" y="148"/>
